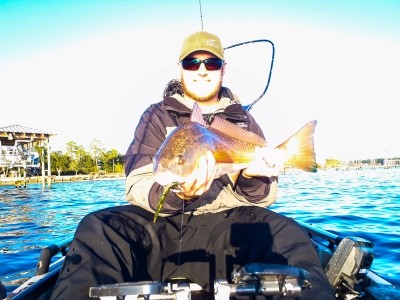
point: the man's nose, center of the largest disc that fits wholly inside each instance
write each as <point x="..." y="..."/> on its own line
<point x="202" y="69"/>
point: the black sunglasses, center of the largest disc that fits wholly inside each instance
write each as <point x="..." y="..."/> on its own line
<point x="193" y="64"/>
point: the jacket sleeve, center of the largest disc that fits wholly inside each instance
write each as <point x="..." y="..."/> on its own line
<point x="140" y="187"/>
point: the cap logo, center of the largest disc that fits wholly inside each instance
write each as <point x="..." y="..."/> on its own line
<point x="212" y="43"/>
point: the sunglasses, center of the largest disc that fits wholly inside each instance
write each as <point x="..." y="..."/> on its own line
<point x="193" y="64"/>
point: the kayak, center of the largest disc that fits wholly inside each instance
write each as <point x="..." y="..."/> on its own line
<point x="346" y="260"/>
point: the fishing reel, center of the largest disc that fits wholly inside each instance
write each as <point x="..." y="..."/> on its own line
<point x="250" y="280"/>
<point x="264" y="279"/>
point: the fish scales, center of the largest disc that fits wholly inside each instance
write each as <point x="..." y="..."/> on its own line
<point x="233" y="148"/>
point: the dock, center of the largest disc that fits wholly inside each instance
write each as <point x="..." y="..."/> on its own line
<point x="24" y="151"/>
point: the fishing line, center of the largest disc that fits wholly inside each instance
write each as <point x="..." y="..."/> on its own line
<point x="247" y="108"/>
<point x="180" y="240"/>
<point x="201" y="15"/>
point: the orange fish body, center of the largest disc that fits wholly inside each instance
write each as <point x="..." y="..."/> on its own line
<point x="233" y="148"/>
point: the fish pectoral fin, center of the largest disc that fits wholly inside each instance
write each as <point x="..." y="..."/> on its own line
<point x="223" y="157"/>
<point x="300" y="148"/>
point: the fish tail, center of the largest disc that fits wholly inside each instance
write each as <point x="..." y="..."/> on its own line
<point x="300" y="148"/>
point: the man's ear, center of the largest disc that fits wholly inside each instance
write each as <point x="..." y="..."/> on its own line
<point x="223" y="69"/>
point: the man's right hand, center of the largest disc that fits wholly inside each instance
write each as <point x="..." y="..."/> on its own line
<point x="201" y="178"/>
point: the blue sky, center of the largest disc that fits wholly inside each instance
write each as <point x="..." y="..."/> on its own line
<point x="88" y="69"/>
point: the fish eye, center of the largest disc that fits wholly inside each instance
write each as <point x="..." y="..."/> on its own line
<point x="180" y="160"/>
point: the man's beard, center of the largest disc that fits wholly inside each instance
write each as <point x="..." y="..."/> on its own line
<point x="201" y="98"/>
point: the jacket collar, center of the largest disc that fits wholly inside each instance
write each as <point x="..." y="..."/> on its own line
<point x="229" y="110"/>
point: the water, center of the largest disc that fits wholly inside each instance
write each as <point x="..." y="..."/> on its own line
<point x="358" y="203"/>
<point x="350" y="203"/>
<point x="33" y="218"/>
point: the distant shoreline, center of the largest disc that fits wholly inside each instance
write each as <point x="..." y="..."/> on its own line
<point x="20" y="181"/>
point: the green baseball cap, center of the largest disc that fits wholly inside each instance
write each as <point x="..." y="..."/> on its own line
<point x="202" y="41"/>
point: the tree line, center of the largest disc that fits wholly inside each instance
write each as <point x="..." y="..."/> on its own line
<point x="77" y="160"/>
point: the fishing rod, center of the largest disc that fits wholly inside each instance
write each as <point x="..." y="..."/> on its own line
<point x="248" y="107"/>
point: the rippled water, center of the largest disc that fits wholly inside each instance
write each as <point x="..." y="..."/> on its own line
<point x="358" y="203"/>
<point x="350" y="203"/>
<point x="33" y="218"/>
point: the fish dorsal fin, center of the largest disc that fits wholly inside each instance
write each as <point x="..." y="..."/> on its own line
<point x="227" y="128"/>
<point x="197" y="115"/>
<point x="237" y="132"/>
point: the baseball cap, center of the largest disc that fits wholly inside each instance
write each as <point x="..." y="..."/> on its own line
<point x="202" y="40"/>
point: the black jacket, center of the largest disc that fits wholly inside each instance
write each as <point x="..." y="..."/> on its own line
<point x="151" y="133"/>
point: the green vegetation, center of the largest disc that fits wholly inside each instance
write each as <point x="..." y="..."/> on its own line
<point x="78" y="160"/>
<point x="332" y="163"/>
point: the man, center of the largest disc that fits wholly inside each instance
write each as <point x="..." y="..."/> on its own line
<point x="208" y="227"/>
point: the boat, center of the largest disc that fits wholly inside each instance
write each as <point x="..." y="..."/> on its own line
<point x="346" y="260"/>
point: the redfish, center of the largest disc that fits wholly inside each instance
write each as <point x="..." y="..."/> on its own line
<point x="233" y="148"/>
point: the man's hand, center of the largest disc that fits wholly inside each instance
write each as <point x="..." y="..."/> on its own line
<point x="268" y="162"/>
<point x="200" y="180"/>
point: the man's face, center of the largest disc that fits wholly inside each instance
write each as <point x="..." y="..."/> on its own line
<point x="202" y="85"/>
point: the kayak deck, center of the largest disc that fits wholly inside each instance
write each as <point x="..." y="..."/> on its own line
<point x="346" y="260"/>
